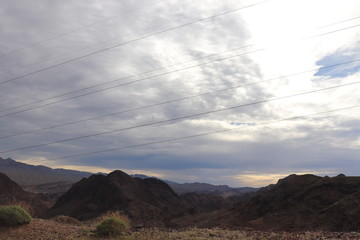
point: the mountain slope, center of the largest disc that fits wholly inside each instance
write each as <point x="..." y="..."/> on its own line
<point x="304" y="202"/>
<point x="11" y="193"/>
<point x="29" y="175"/>
<point x="146" y="201"/>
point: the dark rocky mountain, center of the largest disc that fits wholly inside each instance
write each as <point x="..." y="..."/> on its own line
<point x="30" y="175"/>
<point x="12" y="194"/>
<point x="295" y="203"/>
<point x="149" y="202"/>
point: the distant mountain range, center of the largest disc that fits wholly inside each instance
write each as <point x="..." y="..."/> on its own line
<point x="31" y="175"/>
<point x="204" y="188"/>
<point x="295" y="203"/>
<point x="41" y="179"/>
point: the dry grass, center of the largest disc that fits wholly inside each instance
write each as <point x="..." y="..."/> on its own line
<point x="50" y="230"/>
<point x="111" y="214"/>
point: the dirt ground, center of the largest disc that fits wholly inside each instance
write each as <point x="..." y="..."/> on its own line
<point x="40" y="229"/>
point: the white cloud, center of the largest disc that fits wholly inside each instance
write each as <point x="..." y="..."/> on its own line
<point x="274" y="25"/>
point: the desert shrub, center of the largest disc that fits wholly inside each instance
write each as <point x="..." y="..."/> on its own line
<point x="112" y="226"/>
<point x="14" y="216"/>
<point x="113" y="214"/>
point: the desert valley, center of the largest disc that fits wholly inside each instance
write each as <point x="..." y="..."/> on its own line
<point x="66" y="204"/>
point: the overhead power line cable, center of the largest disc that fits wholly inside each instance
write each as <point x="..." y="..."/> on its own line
<point x="202" y="134"/>
<point x="335" y="23"/>
<point x="176" y="100"/>
<point x="146" y="78"/>
<point x="181" y="118"/>
<point x="78" y="50"/>
<point x="76" y="29"/>
<point x="123" y="84"/>
<point x="134" y="40"/>
<point x="124" y="78"/>
<point x="91" y="45"/>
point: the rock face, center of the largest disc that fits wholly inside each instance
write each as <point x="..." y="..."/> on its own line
<point x="148" y="202"/>
<point x="305" y="202"/>
<point x="12" y="194"/>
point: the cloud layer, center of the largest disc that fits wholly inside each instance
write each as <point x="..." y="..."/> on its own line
<point x="266" y="42"/>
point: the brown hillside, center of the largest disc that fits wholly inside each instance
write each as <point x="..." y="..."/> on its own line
<point x="12" y="193"/>
<point x="305" y="202"/>
<point x="145" y="201"/>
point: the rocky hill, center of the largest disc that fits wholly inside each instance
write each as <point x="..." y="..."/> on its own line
<point x="304" y="202"/>
<point x="11" y="193"/>
<point x="148" y="202"/>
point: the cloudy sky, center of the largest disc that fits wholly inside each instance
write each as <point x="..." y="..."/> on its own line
<point x="225" y="92"/>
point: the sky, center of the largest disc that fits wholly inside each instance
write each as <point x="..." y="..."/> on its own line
<point x="225" y="92"/>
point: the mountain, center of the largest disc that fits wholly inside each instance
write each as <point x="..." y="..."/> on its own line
<point x="297" y="203"/>
<point x="204" y="188"/>
<point x="52" y="190"/>
<point x="54" y="182"/>
<point x="149" y="202"/>
<point x="201" y="202"/>
<point x="30" y="175"/>
<point x="11" y="193"/>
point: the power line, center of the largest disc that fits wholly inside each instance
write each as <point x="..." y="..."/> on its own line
<point x="146" y="78"/>
<point x="181" y="118"/>
<point x="71" y="52"/>
<point x="134" y="40"/>
<point x="80" y="49"/>
<point x="335" y="23"/>
<point x="202" y="134"/>
<point x="124" y="84"/>
<point x="176" y="100"/>
<point x="75" y="30"/>
<point x="124" y="78"/>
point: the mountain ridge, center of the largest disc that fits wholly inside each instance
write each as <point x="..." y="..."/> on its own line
<point x="56" y="181"/>
<point x="204" y="188"/>
<point x="148" y="201"/>
<point x="297" y="203"/>
<point x="30" y="175"/>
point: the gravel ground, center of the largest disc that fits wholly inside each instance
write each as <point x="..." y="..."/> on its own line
<point x="40" y="229"/>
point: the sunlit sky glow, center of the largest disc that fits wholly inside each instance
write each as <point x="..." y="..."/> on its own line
<point x="273" y="40"/>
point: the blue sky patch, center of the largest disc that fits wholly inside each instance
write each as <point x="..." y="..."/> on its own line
<point x="339" y="71"/>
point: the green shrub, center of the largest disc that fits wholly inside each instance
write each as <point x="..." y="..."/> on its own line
<point x="14" y="216"/>
<point x="112" y="227"/>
